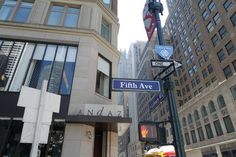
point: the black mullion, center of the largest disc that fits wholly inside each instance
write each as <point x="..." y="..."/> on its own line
<point x="53" y="62"/>
<point x="63" y="69"/>
<point x="16" y="65"/>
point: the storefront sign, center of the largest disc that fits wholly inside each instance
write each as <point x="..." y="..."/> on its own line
<point x="102" y="110"/>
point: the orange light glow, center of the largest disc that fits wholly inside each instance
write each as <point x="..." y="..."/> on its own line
<point x="144" y="131"/>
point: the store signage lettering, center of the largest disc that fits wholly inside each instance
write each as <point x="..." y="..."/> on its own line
<point x="102" y="110"/>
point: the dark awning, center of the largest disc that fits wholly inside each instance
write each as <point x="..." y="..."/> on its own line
<point x="102" y="122"/>
<point x="97" y="119"/>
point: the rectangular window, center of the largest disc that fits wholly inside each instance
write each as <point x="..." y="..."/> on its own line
<point x="200" y="134"/>
<point x="230" y="47"/>
<point x="217" y="18"/>
<point x="233" y="91"/>
<point x="23" y="11"/>
<point x="106" y="30"/>
<point x="227" y="71"/>
<point x="209" y="131"/>
<point x="103" y="77"/>
<point x="215" y="40"/>
<point x="194" y="137"/>
<point x="218" y="128"/>
<point x="201" y="4"/>
<point x="16" y="10"/>
<point x="211" y="6"/>
<point x="63" y="15"/>
<point x="210" y="27"/>
<point x="210" y="68"/>
<point x="223" y="32"/>
<point x="204" y="73"/>
<point x="233" y="19"/>
<point x="32" y="63"/>
<point x="221" y="55"/>
<point x="228" y="124"/>
<point x="205" y="15"/>
<point x="10" y="54"/>
<point x="187" y="138"/>
<point x="228" y="5"/>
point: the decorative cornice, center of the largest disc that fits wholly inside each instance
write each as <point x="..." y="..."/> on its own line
<point x="60" y="31"/>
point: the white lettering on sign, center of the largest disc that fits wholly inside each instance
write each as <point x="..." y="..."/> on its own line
<point x="142" y="86"/>
<point x="128" y="85"/>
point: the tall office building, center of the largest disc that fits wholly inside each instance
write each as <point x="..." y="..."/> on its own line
<point x="73" y="45"/>
<point x="203" y="33"/>
<point x="134" y="146"/>
<point x="124" y="71"/>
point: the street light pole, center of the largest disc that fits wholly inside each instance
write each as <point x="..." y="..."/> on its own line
<point x="157" y="8"/>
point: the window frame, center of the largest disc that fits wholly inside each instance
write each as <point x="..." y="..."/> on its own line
<point x="98" y="86"/>
<point x="14" y="11"/>
<point x="229" y="4"/>
<point x="106" y="25"/>
<point x="215" y="40"/>
<point x="230" y="128"/>
<point x="221" y="55"/>
<point x="211" y="6"/>
<point x="227" y="71"/>
<point x="230" y="49"/>
<point x="223" y="32"/>
<point x="64" y="13"/>
<point x="218" y="128"/>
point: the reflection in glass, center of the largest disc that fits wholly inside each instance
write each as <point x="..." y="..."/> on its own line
<point x="55" y="15"/>
<point x="6" y="9"/>
<point x="54" y="82"/>
<point x="67" y="75"/>
<point x="23" y="12"/>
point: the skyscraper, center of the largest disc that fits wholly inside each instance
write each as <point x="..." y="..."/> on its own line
<point x="203" y="34"/>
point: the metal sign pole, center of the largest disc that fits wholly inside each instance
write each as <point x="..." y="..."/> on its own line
<point x="156" y="8"/>
<point x="36" y="138"/>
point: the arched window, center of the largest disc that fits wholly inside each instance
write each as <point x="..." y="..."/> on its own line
<point x="190" y="119"/>
<point x="196" y="115"/>
<point x="221" y="101"/>
<point x="203" y="111"/>
<point x="184" y="123"/>
<point x="211" y="106"/>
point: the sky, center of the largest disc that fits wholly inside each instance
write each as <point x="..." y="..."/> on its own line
<point x="130" y="13"/>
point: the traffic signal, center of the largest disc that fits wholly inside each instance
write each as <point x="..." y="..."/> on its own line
<point x="150" y="132"/>
<point x="147" y="132"/>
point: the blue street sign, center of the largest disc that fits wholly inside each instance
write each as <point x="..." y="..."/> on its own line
<point x="164" y="51"/>
<point x="135" y="85"/>
<point x="156" y="101"/>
